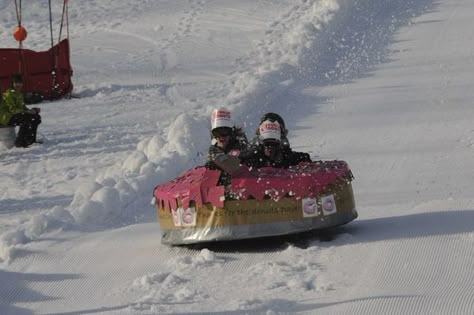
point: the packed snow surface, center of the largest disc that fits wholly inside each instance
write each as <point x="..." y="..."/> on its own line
<point x="386" y="85"/>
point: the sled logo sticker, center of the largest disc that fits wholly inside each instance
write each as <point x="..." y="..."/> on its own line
<point x="328" y="204"/>
<point x="310" y="207"/>
<point x="234" y="152"/>
<point x="188" y="216"/>
<point x="176" y="217"/>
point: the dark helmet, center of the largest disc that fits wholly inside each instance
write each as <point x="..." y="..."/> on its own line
<point x="17" y="78"/>
<point x="273" y="117"/>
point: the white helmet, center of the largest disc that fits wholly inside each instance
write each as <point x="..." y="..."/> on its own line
<point x="221" y="118"/>
<point x="270" y="131"/>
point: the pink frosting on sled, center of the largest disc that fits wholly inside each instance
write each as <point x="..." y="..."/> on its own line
<point x="200" y="184"/>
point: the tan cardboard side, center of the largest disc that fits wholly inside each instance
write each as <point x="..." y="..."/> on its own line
<point x="237" y="212"/>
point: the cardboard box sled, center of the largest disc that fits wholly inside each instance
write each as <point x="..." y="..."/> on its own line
<point x="251" y="218"/>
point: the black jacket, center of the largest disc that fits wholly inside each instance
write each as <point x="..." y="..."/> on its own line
<point x="238" y="145"/>
<point x="284" y="158"/>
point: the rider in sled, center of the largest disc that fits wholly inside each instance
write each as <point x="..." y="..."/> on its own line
<point x="272" y="148"/>
<point x="228" y="142"/>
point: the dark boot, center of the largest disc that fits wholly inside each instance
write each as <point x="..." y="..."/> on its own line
<point x="20" y="138"/>
<point x="31" y="127"/>
<point x="34" y="126"/>
<point x="28" y="124"/>
<point x="30" y="135"/>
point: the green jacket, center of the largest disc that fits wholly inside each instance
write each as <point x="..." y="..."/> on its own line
<point x="12" y="103"/>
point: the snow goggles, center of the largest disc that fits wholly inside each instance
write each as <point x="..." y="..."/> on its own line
<point x="222" y="132"/>
<point x="271" y="144"/>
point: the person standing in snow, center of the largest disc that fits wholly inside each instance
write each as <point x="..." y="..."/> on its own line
<point x="13" y="112"/>
<point x="228" y="142"/>
<point x="271" y="150"/>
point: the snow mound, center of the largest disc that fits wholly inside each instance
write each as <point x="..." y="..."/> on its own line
<point x="117" y="195"/>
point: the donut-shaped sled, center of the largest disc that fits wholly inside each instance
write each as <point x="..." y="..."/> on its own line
<point x="192" y="208"/>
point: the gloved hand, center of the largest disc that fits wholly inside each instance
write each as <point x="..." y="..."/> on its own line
<point x="34" y="110"/>
<point x="215" y="151"/>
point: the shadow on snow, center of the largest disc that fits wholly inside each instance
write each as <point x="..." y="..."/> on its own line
<point x="15" y="289"/>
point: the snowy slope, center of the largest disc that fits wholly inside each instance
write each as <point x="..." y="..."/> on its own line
<point x="385" y="85"/>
